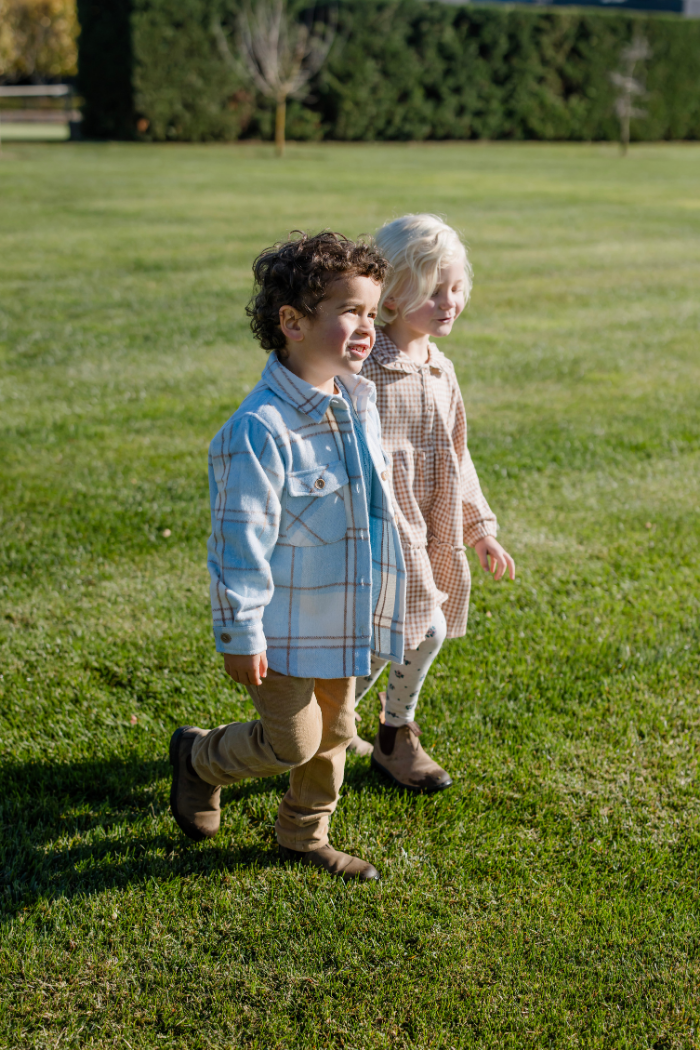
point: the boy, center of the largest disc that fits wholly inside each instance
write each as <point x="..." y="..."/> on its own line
<point x="305" y="557"/>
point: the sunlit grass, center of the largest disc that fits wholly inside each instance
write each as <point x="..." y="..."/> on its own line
<point x="551" y="897"/>
<point x="34" y="131"/>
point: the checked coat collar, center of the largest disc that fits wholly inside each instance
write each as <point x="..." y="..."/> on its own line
<point x="387" y="354"/>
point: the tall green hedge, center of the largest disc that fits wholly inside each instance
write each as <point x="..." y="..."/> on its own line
<point x="182" y="88"/>
<point x="400" y="69"/>
<point x="412" y="70"/>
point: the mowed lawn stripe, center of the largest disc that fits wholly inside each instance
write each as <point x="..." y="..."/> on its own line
<point x="550" y="898"/>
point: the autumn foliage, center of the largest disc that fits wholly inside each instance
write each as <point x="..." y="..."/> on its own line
<point x="38" y="39"/>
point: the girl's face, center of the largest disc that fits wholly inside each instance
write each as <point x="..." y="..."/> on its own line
<point x="437" y="315"/>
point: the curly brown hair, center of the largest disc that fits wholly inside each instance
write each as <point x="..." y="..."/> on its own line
<point x="298" y="273"/>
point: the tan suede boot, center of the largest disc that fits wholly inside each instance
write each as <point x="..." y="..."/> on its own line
<point x="334" y="862"/>
<point x="194" y="803"/>
<point x="406" y="763"/>
<point x="358" y="746"/>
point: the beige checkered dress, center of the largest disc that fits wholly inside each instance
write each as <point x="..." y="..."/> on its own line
<point x="440" y="504"/>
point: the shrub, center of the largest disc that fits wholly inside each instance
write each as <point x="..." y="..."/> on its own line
<point x="38" y="39"/>
<point x="401" y="69"/>
<point x="182" y="87"/>
<point x="412" y="70"/>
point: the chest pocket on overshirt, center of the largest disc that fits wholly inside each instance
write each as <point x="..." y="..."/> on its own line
<point x="314" y="509"/>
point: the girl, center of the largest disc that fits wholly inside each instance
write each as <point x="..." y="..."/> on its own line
<point x="439" y="502"/>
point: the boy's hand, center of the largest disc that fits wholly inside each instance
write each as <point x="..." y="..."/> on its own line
<point x="489" y="547"/>
<point x="248" y="670"/>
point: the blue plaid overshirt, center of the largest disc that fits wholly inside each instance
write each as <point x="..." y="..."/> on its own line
<point x="289" y="554"/>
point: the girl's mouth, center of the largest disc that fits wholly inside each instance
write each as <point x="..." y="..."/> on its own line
<point x="358" y="349"/>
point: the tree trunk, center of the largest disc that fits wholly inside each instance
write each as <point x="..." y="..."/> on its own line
<point x="625" y="129"/>
<point x="280" y="121"/>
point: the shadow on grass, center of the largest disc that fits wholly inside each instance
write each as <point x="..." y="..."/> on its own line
<point x="49" y="809"/>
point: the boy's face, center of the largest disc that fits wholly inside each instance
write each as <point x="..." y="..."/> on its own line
<point x="339" y="338"/>
<point x="437" y="315"/>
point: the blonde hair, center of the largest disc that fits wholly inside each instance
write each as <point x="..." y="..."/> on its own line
<point x="417" y="247"/>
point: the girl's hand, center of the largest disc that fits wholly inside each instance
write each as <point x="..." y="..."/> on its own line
<point x="248" y="670"/>
<point x="489" y="548"/>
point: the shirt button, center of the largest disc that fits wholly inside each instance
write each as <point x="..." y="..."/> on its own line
<point x="225" y="637"/>
<point x="384" y="475"/>
<point x="320" y="483"/>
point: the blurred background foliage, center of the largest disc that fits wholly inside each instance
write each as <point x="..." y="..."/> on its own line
<point x="399" y="70"/>
<point x="38" y="40"/>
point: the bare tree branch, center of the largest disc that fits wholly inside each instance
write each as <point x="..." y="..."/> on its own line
<point x="276" y="52"/>
<point x="630" y="87"/>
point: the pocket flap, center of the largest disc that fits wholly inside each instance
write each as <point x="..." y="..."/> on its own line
<point x="318" y="481"/>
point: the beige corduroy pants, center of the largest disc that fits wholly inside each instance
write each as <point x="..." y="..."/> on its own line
<point x="305" y="725"/>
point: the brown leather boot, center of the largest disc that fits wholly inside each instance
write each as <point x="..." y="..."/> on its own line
<point x="405" y="761"/>
<point x="333" y="861"/>
<point x="358" y="746"/>
<point x="194" y="803"/>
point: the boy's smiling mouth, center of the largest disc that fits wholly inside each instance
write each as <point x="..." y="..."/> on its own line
<point x="359" y="349"/>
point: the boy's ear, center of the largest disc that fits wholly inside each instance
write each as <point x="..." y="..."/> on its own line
<point x="289" y="323"/>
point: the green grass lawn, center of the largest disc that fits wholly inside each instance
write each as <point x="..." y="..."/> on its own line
<point x="550" y="898"/>
<point x="33" y="132"/>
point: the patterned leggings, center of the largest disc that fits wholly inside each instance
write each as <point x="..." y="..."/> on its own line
<point x="406" y="679"/>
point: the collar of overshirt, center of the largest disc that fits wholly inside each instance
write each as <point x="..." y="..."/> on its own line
<point x="306" y="398"/>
